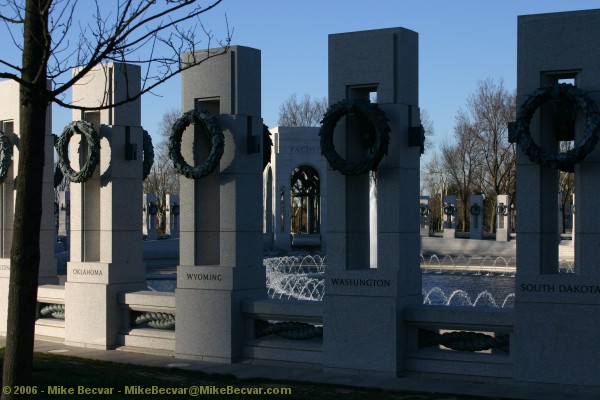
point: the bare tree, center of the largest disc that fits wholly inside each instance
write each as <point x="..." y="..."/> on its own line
<point x="304" y="112"/>
<point x="52" y="44"/>
<point x="434" y="182"/>
<point x="427" y="123"/>
<point x="490" y="109"/>
<point x="462" y="162"/>
<point x="163" y="179"/>
<point x="62" y="186"/>
<point x="481" y="159"/>
<point x="566" y="183"/>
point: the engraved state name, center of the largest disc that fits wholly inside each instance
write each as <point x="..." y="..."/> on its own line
<point x="204" y="277"/>
<point x="87" y="272"/>
<point x="361" y="282"/>
<point x="550" y="288"/>
<point x="304" y="149"/>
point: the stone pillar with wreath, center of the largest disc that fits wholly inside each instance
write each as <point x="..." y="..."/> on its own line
<point x="503" y="218"/>
<point x="100" y="153"/>
<point x="9" y="161"/>
<point x="373" y="154"/>
<point x="64" y="226"/>
<point x="476" y="216"/>
<point x="149" y="216"/>
<point x="425" y="216"/>
<point x="558" y="97"/>
<point x="172" y="215"/>
<point x="220" y="158"/>
<point x="449" y="213"/>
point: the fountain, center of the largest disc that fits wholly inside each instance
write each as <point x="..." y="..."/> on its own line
<point x="302" y="278"/>
<point x="455" y="281"/>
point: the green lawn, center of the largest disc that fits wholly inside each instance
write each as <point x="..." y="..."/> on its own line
<point x="54" y="375"/>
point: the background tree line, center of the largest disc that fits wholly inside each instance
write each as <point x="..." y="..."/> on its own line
<point x="163" y="179"/>
<point x="479" y="159"/>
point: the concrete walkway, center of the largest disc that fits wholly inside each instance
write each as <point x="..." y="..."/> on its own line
<point x="412" y="382"/>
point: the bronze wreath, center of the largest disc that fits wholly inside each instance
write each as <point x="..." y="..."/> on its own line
<point x="5" y="156"/>
<point x="377" y="139"/>
<point x="58" y="175"/>
<point x="267" y="144"/>
<point x="502" y="209"/>
<point x="475" y="210"/>
<point x="210" y="127"/>
<point x="449" y="209"/>
<point x="148" y="150"/>
<point x="424" y="210"/>
<point x="563" y="161"/>
<point x="152" y="208"/>
<point x="85" y="129"/>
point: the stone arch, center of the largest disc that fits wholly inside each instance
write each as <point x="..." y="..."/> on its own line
<point x="305" y="195"/>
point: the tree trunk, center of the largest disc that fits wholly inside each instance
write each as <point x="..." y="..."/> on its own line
<point x="25" y="251"/>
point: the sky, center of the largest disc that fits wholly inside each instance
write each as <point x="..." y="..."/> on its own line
<point x="460" y="43"/>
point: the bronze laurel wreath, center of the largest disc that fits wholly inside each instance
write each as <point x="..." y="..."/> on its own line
<point x="211" y="128"/>
<point x="148" y="149"/>
<point x="85" y="129"/>
<point x="5" y="156"/>
<point x="376" y="139"/>
<point x="563" y="161"/>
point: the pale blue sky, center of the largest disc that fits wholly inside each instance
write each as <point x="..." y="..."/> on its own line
<point x="460" y="42"/>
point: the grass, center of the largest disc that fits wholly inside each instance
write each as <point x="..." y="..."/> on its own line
<point x="52" y="371"/>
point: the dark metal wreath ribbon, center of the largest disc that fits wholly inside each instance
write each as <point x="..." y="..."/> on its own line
<point x="377" y="139"/>
<point x="562" y="161"/>
<point x="156" y="320"/>
<point x="424" y="210"/>
<point x="92" y="139"/>
<point x="289" y="329"/>
<point x="5" y="156"/>
<point x="56" y="311"/>
<point x="148" y="149"/>
<point x="211" y="128"/>
<point x="464" y="341"/>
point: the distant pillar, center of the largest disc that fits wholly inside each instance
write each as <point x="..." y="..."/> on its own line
<point x="64" y="204"/>
<point x="283" y="226"/>
<point x="573" y="209"/>
<point x="10" y="125"/>
<point x="172" y="216"/>
<point x="503" y="215"/>
<point x="476" y="213"/>
<point x="268" y="200"/>
<point x="425" y="216"/>
<point x="150" y="209"/>
<point x="449" y="215"/>
<point x="221" y="233"/>
<point x="364" y="331"/>
<point x="560" y="217"/>
<point x="106" y="250"/>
